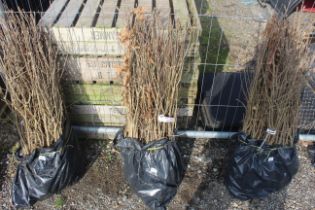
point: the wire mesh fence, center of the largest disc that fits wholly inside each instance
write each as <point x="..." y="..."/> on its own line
<point x="223" y="36"/>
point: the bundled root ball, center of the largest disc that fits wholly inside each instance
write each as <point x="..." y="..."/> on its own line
<point x="32" y="74"/>
<point x="275" y="93"/>
<point x="152" y="72"/>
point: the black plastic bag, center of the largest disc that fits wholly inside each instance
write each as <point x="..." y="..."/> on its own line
<point x="311" y="153"/>
<point x="154" y="171"/>
<point x="47" y="170"/>
<point x="255" y="173"/>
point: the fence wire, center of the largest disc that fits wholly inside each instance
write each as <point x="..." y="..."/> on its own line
<point x="216" y="82"/>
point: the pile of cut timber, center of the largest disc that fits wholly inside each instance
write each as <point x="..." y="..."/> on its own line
<point x="88" y="31"/>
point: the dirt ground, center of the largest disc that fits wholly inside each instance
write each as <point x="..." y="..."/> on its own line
<point x="234" y="30"/>
<point x="103" y="186"/>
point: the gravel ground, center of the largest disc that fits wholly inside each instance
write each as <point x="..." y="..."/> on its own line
<point x="103" y="186"/>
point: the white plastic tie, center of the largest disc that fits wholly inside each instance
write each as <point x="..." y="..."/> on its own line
<point x="271" y="131"/>
<point x="164" y="119"/>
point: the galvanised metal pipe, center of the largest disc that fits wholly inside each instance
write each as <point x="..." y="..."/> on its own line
<point x="307" y="137"/>
<point x="205" y="134"/>
<point x="97" y="130"/>
<point x="110" y="132"/>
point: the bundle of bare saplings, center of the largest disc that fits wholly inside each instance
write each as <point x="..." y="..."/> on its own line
<point x="266" y="159"/>
<point x="152" y="71"/>
<point x="31" y="70"/>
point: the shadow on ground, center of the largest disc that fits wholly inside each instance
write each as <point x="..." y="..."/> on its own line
<point x="213" y="50"/>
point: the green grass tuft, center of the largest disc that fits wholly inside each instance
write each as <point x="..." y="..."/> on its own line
<point x="59" y="201"/>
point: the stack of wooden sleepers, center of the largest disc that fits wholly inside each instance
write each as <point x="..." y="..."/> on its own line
<point x="88" y="31"/>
